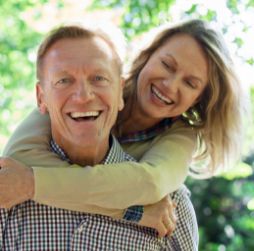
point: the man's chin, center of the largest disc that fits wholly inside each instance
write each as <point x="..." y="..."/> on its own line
<point x="86" y="141"/>
<point x="86" y="150"/>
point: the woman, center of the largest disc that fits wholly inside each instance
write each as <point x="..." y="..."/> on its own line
<point x="179" y="97"/>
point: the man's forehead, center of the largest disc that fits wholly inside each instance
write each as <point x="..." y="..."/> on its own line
<point x="94" y="47"/>
<point x="89" y="67"/>
<point x="91" y="53"/>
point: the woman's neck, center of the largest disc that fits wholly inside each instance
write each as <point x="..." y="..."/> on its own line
<point x="136" y="121"/>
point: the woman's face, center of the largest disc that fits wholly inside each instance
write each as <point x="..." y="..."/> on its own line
<point x="173" y="79"/>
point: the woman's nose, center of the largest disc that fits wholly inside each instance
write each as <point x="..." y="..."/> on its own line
<point x="172" y="84"/>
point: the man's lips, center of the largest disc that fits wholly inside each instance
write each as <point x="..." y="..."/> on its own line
<point x="83" y="116"/>
<point x="160" y="96"/>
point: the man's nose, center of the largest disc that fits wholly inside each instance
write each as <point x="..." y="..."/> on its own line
<point x="84" y="91"/>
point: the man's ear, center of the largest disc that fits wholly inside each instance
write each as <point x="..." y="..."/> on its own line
<point x="40" y="98"/>
<point x="121" y="101"/>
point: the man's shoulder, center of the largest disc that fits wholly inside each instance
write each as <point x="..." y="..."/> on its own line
<point x="116" y="153"/>
<point x="128" y="157"/>
<point x="182" y="192"/>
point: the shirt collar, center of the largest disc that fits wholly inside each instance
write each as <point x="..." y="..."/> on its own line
<point x="148" y="133"/>
<point x="115" y="153"/>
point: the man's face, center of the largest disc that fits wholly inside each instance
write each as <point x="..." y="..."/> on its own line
<point x="81" y="90"/>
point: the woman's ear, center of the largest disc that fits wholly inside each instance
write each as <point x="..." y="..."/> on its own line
<point x="40" y="99"/>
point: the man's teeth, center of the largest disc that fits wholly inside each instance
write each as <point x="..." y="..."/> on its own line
<point x="76" y="115"/>
<point x="160" y="96"/>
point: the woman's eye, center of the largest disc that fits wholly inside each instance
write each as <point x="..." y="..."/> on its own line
<point x="190" y="84"/>
<point x="167" y="66"/>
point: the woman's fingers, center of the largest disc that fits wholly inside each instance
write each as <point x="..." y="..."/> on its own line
<point x="170" y="218"/>
<point x="162" y="230"/>
<point x="160" y="216"/>
<point x="166" y="227"/>
<point x="170" y="225"/>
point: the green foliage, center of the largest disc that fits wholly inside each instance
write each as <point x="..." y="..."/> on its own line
<point x="233" y="6"/>
<point x="107" y="4"/>
<point x="242" y="170"/>
<point x="139" y="15"/>
<point x="250" y="3"/>
<point x="209" y="16"/>
<point x="192" y="10"/>
<point x="224" y="213"/>
<point x="17" y="49"/>
<point x="239" y="42"/>
<point x="250" y="61"/>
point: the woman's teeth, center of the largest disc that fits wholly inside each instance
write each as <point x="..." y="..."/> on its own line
<point x="161" y="96"/>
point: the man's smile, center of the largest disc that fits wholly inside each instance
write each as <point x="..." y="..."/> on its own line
<point x="81" y="116"/>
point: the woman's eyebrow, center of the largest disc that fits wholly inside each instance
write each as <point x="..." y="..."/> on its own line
<point x="176" y="64"/>
<point x="197" y="79"/>
<point x="172" y="58"/>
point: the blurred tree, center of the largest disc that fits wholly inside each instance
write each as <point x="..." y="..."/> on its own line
<point x="138" y="16"/>
<point x="17" y="45"/>
<point x="224" y="207"/>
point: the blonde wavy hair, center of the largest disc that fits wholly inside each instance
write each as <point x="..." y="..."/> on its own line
<point x="217" y="117"/>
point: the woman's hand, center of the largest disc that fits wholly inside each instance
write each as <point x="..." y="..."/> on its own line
<point x="160" y="216"/>
<point x="16" y="183"/>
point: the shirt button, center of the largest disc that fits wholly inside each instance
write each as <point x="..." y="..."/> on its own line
<point x="80" y="229"/>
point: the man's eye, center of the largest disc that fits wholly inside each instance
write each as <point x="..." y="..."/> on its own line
<point x="63" y="81"/>
<point x="99" y="78"/>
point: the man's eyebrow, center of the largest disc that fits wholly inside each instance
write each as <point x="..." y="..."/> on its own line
<point x="101" y="66"/>
<point x="61" y="72"/>
<point x="103" y="69"/>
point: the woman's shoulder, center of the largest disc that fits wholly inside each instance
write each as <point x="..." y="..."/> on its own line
<point x="179" y="129"/>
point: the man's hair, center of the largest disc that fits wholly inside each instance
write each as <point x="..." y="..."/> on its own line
<point x="218" y="114"/>
<point x="72" y="32"/>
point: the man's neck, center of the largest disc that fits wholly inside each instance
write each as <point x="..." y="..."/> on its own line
<point x="85" y="155"/>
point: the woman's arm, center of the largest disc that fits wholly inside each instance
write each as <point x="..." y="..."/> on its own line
<point x="29" y="143"/>
<point x="16" y="177"/>
<point x="161" y="170"/>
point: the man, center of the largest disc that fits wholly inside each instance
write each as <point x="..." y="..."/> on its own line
<point x="79" y="86"/>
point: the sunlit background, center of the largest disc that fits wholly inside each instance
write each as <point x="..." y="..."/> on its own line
<point x="224" y="205"/>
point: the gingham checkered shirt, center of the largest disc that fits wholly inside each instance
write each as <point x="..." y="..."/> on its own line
<point x="35" y="227"/>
